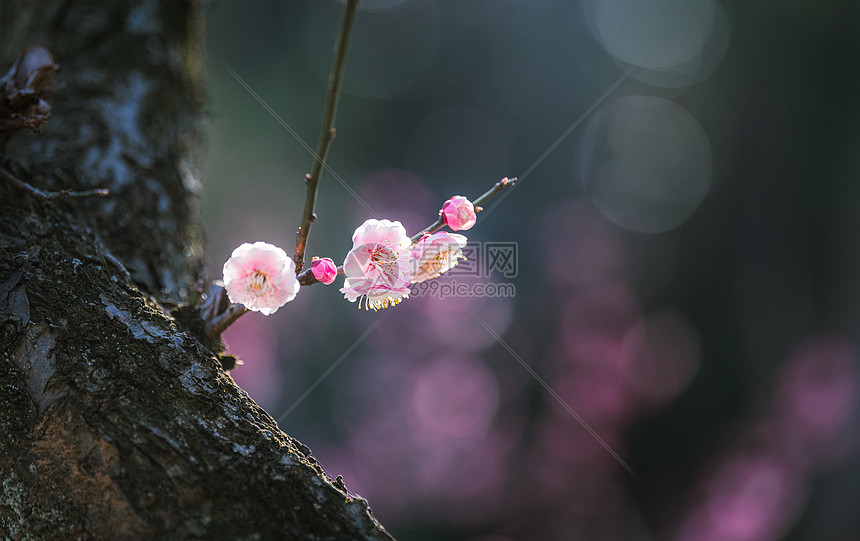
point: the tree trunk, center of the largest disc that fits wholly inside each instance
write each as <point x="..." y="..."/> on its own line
<point x="117" y="419"/>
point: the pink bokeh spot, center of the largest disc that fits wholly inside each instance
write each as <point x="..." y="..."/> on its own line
<point x="261" y="277"/>
<point x="454" y="399"/>
<point x="324" y="270"/>
<point x="449" y="320"/>
<point x="255" y="340"/>
<point x="666" y="360"/>
<point x="818" y="390"/>
<point x="458" y="213"/>
<point x="750" y="498"/>
<point x="760" y="488"/>
<point x="603" y="328"/>
<point x="395" y="192"/>
<point x="590" y="250"/>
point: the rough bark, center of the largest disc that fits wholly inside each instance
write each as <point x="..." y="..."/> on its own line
<point x="116" y="418"/>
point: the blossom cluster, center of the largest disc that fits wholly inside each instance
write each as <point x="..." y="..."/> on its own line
<point x="378" y="270"/>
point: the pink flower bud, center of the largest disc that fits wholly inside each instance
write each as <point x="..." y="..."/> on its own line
<point x="324" y="270"/>
<point x="458" y="213"/>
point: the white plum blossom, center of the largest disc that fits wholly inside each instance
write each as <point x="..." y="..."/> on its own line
<point x="260" y="276"/>
<point x="378" y="266"/>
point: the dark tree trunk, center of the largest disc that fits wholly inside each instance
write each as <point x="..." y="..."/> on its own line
<point x="116" y="418"/>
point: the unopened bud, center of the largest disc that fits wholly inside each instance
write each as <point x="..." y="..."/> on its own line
<point x="324" y="270"/>
<point x="458" y="213"/>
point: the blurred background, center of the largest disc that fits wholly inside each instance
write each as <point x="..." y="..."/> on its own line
<point x="686" y="269"/>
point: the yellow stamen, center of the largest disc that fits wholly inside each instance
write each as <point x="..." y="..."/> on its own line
<point x="258" y="283"/>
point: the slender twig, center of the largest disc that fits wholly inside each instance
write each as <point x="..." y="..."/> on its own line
<point x="226" y="318"/>
<point x="430" y="229"/>
<point x="497" y="187"/>
<point x="440" y="223"/>
<point x="216" y="324"/>
<point x="306" y="278"/>
<point x="50" y="196"/>
<point x="326" y="133"/>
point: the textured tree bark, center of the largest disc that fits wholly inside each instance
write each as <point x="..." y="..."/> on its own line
<point x="116" y="418"/>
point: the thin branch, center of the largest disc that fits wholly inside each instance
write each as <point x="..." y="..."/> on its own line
<point x="217" y="321"/>
<point x="306" y="278"/>
<point x="219" y="324"/>
<point x="497" y="187"/>
<point x="50" y="196"/>
<point x="326" y="133"/>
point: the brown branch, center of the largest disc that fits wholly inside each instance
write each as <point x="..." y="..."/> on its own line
<point x="326" y="133"/>
<point x="226" y="318"/>
<point x="489" y="194"/>
<point x="218" y="312"/>
<point x="50" y="196"/>
<point x="306" y="277"/>
<point x="217" y="321"/>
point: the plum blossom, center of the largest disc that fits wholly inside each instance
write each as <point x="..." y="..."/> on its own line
<point x="261" y="277"/>
<point x="324" y="270"/>
<point x="437" y="253"/>
<point x="378" y="266"/>
<point x="458" y="213"/>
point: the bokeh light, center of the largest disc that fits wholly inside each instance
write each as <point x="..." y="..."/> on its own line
<point x="646" y="163"/>
<point x="687" y="261"/>
<point x="677" y="43"/>
<point x="654" y="34"/>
